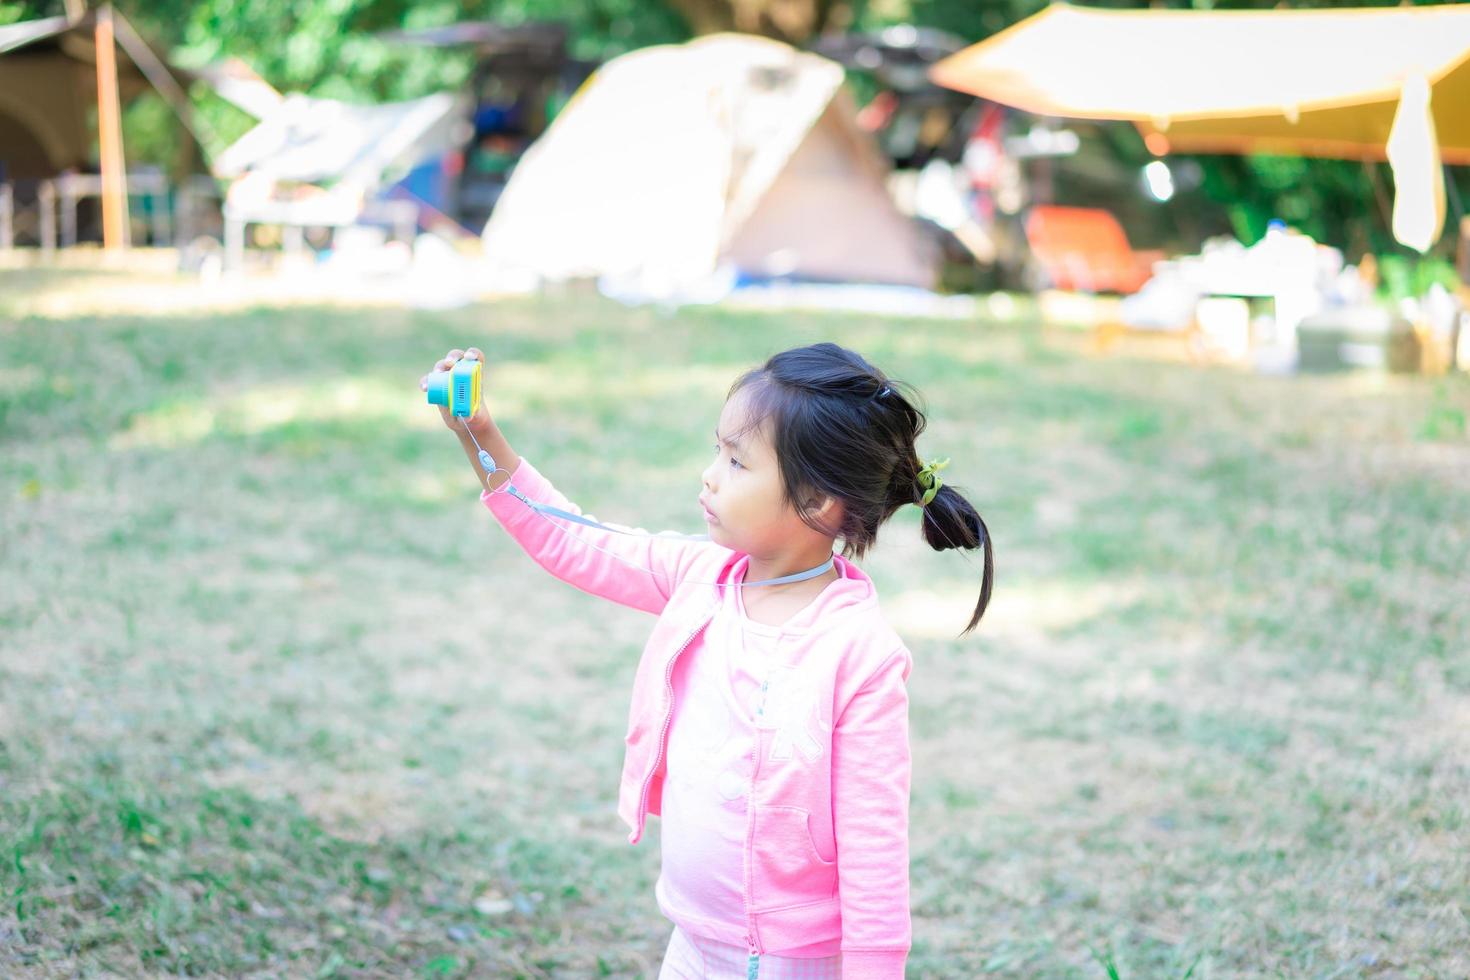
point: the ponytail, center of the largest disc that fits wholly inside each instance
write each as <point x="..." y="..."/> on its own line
<point x="951" y="521"/>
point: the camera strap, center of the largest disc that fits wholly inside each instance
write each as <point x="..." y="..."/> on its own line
<point x="549" y="512"/>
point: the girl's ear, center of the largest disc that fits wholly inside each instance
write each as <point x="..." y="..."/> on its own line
<point x="825" y="509"/>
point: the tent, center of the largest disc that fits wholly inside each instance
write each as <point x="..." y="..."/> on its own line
<point x="309" y="139"/>
<point x="55" y="72"/>
<point x="314" y="162"/>
<point x="1363" y="83"/>
<point x="237" y="83"/>
<point x="48" y="85"/>
<point x="729" y="152"/>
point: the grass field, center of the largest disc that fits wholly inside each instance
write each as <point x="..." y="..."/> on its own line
<point x="278" y="697"/>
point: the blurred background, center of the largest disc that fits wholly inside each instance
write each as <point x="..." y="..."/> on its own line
<point x="1184" y="285"/>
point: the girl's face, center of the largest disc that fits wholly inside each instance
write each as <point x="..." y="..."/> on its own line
<point x="742" y="488"/>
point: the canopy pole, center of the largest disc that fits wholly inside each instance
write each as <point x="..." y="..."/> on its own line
<point x="161" y="79"/>
<point x="109" y="137"/>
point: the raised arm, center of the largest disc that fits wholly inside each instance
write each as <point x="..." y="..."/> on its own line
<point x="639" y="570"/>
<point x="478" y="426"/>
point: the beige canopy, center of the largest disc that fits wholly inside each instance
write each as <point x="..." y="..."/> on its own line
<point x="1324" y="82"/>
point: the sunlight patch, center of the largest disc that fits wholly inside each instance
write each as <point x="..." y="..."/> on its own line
<point x="435" y="486"/>
<point x="572" y="382"/>
<point x="18" y="379"/>
<point x="1021" y="610"/>
<point x="268" y="407"/>
<point x="179" y="424"/>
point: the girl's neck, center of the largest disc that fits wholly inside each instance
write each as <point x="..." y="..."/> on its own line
<point x="761" y="569"/>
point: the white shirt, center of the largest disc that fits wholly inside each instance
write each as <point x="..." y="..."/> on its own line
<point x="719" y="687"/>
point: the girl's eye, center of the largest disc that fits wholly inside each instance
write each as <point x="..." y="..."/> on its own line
<point x="733" y="460"/>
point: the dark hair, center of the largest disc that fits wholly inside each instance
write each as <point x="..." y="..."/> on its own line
<point x="841" y="428"/>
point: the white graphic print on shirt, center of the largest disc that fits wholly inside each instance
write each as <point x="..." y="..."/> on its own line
<point x="790" y="709"/>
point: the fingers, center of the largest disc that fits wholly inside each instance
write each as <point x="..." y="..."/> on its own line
<point x="447" y="362"/>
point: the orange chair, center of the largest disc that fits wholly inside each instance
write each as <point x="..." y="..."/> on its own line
<point x="1085" y="249"/>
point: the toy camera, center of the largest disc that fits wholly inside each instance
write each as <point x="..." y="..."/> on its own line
<point x="457" y="389"/>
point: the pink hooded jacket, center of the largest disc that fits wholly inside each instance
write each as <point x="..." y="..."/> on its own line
<point x="850" y="803"/>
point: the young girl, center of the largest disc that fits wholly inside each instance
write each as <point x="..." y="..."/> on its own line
<point x="769" y="720"/>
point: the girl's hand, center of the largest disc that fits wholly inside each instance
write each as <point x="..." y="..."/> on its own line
<point x="480" y="414"/>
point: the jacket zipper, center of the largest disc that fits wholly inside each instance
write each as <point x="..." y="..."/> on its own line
<point x="752" y="970"/>
<point x="753" y="946"/>
<point x="664" y="731"/>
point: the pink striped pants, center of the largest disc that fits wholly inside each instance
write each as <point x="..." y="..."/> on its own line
<point x="696" y="958"/>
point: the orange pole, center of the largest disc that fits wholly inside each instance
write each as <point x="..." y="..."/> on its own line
<point x="109" y="137"/>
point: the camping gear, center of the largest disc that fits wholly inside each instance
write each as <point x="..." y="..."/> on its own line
<point x="55" y="72"/>
<point x="1385" y="83"/>
<point x="677" y="163"/>
<point x="308" y="140"/>
<point x="523" y="75"/>
<point x="314" y="162"/>
<point x="48" y="86"/>
<point x="914" y="121"/>
<point x="1357" y="337"/>
<point x="1086" y="249"/>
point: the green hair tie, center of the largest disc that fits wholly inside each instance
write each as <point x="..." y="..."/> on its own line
<point x="929" y="478"/>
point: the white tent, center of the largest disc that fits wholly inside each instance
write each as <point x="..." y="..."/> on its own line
<point x="730" y="152"/>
